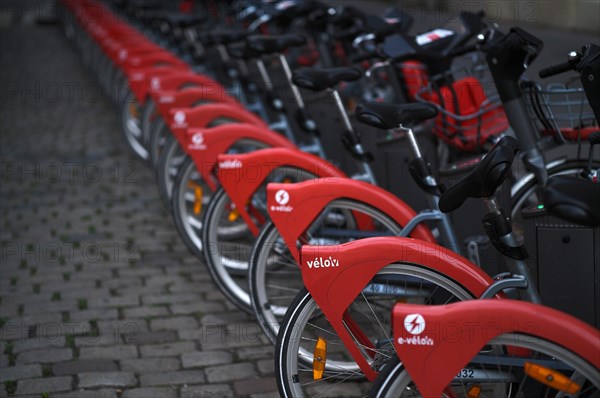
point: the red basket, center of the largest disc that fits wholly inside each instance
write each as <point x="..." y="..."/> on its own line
<point x="468" y="118"/>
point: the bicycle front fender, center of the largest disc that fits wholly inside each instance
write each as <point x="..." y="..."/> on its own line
<point x="306" y="200"/>
<point x="139" y="79"/>
<point x="205" y="145"/>
<point x="241" y="175"/>
<point x="180" y="79"/>
<point x="165" y="100"/>
<point x="336" y="275"/>
<point x="451" y="335"/>
<point x="181" y="119"/>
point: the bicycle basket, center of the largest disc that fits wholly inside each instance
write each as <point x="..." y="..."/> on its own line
<point x="468" y="117"/>
<point x="561" y="110"/>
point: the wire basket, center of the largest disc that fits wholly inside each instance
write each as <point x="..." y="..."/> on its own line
<point x="561" y="110"/>
<point x="470" y="111"/>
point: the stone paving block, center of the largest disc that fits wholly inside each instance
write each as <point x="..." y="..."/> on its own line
<point x="145" y="312"/>
<point x="49" y="384"/>
<point x="171" y="298"/>
<point x="254" y="353"/>
<point x="20" y="372"/>
<point x="150" y="365"/>
<point x="255" y="386"/>
<point x="128" y="301"/>
<point x="155" y="392"/>
<point x="83" y="366"/>
<point x="102" y="393"/>
<point x="236" y="371"/>
<point x="101" y="313"/>
<point x="106" y="379"/>
<point x="172" y="378"/>
<point x="165" y="350"/>
<point x="45" y="355"/>
<point x="163" y="336"/>
<point x="266" y="366"/>
<point x="38" y="343"/>
<point x="126" y="327"/>
<point x="205" y="358"/>
<point x="173" y="323"/>
<point x="103" y="338"/>
<point x="208" y="391"/>
<point x="203" y="307"/>
<point x="115" y="352"/>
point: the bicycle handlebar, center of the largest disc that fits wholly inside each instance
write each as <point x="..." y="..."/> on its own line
<point x="556" y="69"/>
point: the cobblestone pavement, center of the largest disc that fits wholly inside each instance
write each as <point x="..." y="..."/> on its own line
<point x="99" y="298"/>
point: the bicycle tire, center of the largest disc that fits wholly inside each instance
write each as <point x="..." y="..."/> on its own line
<point x="300" y="324"/>
<point x="230" y="247"/>
<point x="159" y="133"/>
<point x="395" y="381"/>
<point x="188" y="182"/>
<point x="130" y="125"/>
<point x="170" y="160"/>
<point x="149" y="113"/>
<point x="267" y="308"/>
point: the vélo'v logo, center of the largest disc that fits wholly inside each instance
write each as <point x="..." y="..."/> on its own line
<point x="282" y="197"/>
<point x="414" y="324"/>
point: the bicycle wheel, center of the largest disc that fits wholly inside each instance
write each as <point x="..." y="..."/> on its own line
<point x="494" y="373"/>
<point x="304" y="324"/>
<point x="191" y="196"/>
<point x="228" y="240"/>
<point x="159" y="133"/>
<point x="149" y="114"/>
<point x="130" y="115"/>
<point x="526" y="195"/>
<point x="171" y="158"/>
<point x="274" y="275"/>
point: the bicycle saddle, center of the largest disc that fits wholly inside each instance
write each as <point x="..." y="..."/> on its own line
<point x="241" y="51"/>
<point x="226" y="36"/>
<point x="183" y="20"/>
<point x="321" y="79"/>
<point x="573" y="199"/>
<point x="274" y="44"/>
<point x="485" y="178"/>
<point x="391" y="116"/>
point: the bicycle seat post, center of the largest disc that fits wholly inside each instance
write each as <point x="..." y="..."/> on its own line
<point x="367" y="171"/>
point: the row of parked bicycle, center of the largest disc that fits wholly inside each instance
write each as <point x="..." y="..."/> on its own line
<point x="344" y="277"/>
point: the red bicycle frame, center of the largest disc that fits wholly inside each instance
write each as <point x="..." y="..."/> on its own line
<point x="241" y="175"/>
<point x="308" y="199"/>
<point x="335" y="287"/>
<point x="447" y="337"/>
<point x="205" y="145"/>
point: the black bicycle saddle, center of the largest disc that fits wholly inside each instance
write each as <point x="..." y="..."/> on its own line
<point x="573" y="199"/>
<point x="485" y="178"/>
<point x="391" y="116"/>
<point x="321" y="79"/>
<point x="274" y="44"/>
<point x="226" y="36"/>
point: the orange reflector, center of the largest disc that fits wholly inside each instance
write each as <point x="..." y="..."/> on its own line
<point x="474" y="392"/>
<point x="551" y="378"/>
<point x="197" y="196"/>
<point x="133" y="110"/>
<point x="233" y="215"/>
<point x="319" y="358"/>
<point x="287" y="180"/>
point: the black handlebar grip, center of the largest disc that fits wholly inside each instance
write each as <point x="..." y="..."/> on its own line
<point x="457" y="52"/>
<point x="556" y="69"/>
<point x="594" y="138"/>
